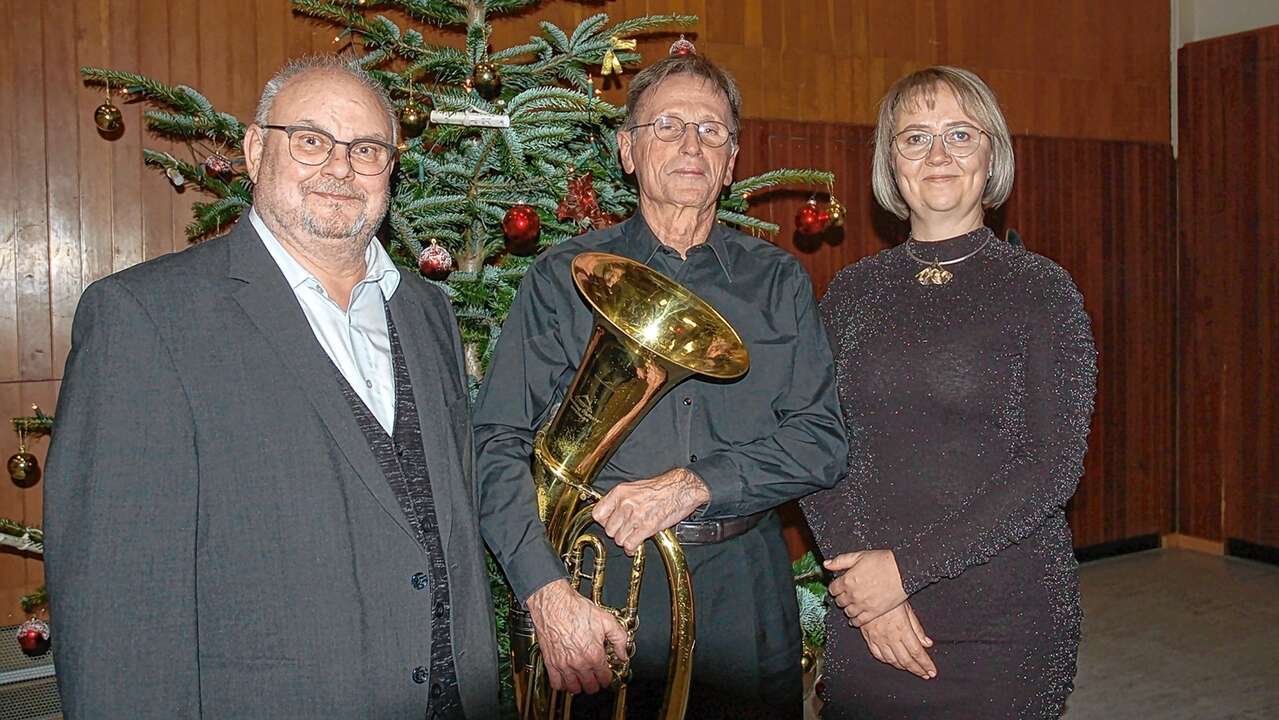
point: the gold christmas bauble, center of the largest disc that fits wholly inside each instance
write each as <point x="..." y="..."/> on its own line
<point x="487" y="81"/>
<point x="414" y="118"/>
<point x="24" y="470"/>
<point x="108" y="117"/>
<point x="836" y="213"/>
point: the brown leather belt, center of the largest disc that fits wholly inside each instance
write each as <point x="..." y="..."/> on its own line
<point x="709" y="532"/>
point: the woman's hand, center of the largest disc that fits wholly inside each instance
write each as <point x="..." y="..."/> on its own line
<point x="869" y="585"/>
<point x="897" y="638"/>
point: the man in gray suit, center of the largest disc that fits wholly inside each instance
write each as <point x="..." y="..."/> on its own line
<point x="260" y="500"/>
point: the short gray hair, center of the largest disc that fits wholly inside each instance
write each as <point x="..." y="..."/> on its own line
<point x="691" y="64"/>
<point x="976" y="99"/>
<point x="330" y="64"/>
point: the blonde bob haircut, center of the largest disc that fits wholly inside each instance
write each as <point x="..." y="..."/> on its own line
<point x="977" y="101"/>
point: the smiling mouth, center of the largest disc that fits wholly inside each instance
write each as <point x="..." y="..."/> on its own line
<point x="333" y="196"/>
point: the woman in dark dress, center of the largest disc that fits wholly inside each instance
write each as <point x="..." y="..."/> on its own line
<point x="966" y="372"/>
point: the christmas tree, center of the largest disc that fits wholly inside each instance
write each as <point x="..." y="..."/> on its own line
<point x="504" y="151"/>
<point x="522" y="153"/>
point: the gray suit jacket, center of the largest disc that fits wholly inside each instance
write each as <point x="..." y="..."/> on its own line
<point x="220" y="541"/>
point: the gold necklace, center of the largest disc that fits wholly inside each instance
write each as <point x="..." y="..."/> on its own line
<point x="935" y="272"/>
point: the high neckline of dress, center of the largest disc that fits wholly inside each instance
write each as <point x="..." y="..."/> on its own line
<point x="950" y="248"/>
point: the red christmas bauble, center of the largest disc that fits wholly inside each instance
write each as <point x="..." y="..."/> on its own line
<point x="33" y="637"/>
<point x="521" y="226"/>
<point x="436" y="261"/>
<point x="811" y="220"/>
<point x="217" y="164"/>
<point x="683" y="47"/>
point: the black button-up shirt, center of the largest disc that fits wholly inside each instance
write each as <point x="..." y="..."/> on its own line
<point x="771" y="436"/>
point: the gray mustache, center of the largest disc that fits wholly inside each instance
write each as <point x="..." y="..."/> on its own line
<point x="335" y="188"/>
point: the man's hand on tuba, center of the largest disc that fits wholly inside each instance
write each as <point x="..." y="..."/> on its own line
<point x="635" y="511"/>
<point x="572" y="632"/>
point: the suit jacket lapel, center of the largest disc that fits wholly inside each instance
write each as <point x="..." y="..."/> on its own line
<point x="270" y="303"/>
<point x="423" y="354"/>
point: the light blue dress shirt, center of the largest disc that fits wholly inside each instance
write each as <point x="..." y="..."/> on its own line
<point x="356" y="339"/>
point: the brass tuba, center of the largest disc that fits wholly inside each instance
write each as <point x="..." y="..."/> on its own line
<point x="650" y="334"/>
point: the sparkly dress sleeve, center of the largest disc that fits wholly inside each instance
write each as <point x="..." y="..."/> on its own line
<point x="1051" y="432"/>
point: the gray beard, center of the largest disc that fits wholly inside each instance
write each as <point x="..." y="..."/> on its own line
<point x="335" y="230"/>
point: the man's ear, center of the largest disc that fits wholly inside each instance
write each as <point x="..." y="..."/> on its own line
<point x="625" y="148"/>
<point x="254" y="146"/>
<point x="732" y="163"/>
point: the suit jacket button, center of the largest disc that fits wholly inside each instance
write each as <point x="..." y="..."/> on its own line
<point x="419" y="674"/>
<point x="419" y="581"/>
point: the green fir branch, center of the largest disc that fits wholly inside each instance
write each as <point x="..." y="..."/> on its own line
<point x="34" y="601"/>
<point x="214" y="217"/>
<point x="748" y="222"/>
<point x="36" y="424"/>
<point x="774" y="179"/>
<point x="651" y="23"/>
<point x="442" y="13"/>
<point x="21" y="537"/>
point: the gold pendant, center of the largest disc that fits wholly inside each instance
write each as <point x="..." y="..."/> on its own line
<point x="934" y="275"/>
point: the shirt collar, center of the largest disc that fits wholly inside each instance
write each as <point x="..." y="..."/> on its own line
<point x="642" y="239"/>
<point x="380" y="268"/>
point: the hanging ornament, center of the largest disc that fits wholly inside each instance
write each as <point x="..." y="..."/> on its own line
<point x="435" y="261"/>
<point x="580" y="202"/>
<point x="175" y="177"/>
<point x="486" y="80"/>
<point x="108" y="117"/>
<point x="415" y="116"/>
<point x="217" y="164"/>
<point x="33" y="637"/>
<point x="683" y="47"/>
<point x="611" y="65"/>
<point x="24" y="469"/>
<point x="521" y="226"/>
<point x="835" y="212"/>
<point x="811" y="220"/>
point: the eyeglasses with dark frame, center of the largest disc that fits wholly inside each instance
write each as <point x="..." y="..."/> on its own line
<point x="670" y="128"/>
<point x="313" y="146"/>
<point x="960" y="141"/>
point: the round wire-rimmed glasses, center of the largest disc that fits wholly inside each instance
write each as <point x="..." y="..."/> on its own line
<point x="313" y="146"/>
<point x="959" y="141"/>
<point x="670" y="128"/>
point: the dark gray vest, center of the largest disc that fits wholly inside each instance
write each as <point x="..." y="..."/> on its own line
<point x="402" y="458"/>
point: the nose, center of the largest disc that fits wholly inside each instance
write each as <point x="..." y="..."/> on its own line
<point x="937" y="152"/>
<point x="338" y="165"/>
<point x="690" y="143"/>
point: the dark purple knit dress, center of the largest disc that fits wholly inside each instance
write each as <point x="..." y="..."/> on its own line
<point x="968" y="406"/>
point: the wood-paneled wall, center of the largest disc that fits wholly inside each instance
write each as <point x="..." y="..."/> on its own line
<point x="1229" y="323"/>
<point x="75" y="207"/>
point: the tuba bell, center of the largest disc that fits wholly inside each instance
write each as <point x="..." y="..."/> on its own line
<point x="650" y="333"/>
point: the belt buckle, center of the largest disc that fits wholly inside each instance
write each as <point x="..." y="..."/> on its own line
<point x="716" y="531"/>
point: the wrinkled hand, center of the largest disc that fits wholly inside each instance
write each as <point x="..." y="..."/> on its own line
<point x="571" y="632"/>
<point x="897" y="638"/>
<point x="869" y="586"/>
<point x="635" y="511"/>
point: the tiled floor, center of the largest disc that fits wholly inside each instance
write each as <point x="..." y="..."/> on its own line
<point x="1178" y="635"/>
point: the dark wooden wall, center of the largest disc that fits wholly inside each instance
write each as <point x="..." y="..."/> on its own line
<point x="1229" y="292"/>
<point x="74" y="207"/>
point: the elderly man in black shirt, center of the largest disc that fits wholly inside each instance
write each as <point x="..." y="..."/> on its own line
<point x="712" y="459"/>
